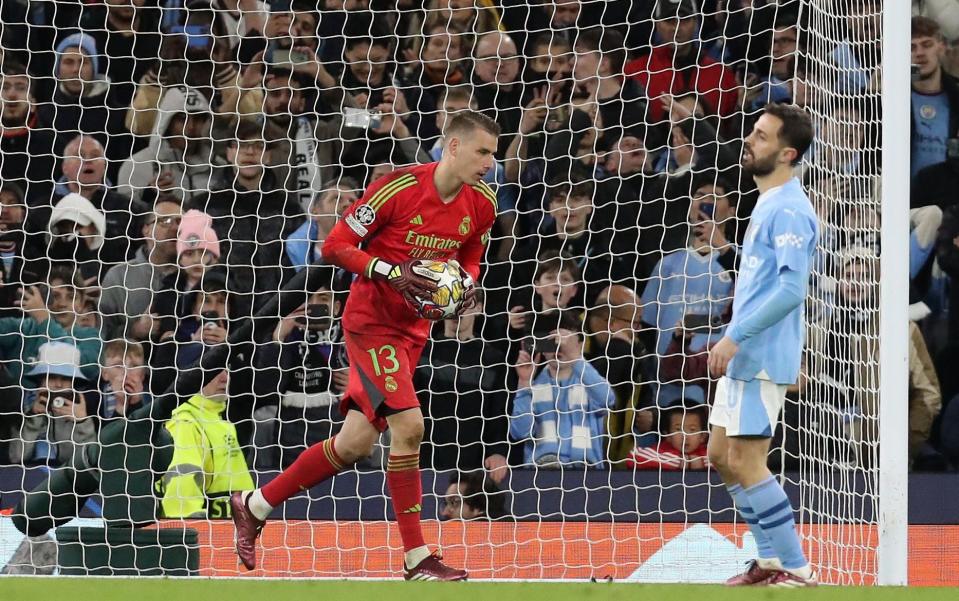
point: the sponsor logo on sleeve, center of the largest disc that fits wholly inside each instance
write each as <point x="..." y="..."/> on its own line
<point x="789" y="239"/>
<point x="356" y="226"/>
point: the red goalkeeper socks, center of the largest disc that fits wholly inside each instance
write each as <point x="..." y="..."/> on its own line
<point x="313" y="466"/>
<point x="406" y="490"/>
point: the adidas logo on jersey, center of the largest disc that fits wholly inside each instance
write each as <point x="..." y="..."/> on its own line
<point x="418" y="220"/>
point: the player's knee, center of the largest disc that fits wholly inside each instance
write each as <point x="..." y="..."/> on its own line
<point x="355" y="449"/>
<point x="413" y="434"/>
<point x="718" y="457"/>
<point x="741" y="463"/>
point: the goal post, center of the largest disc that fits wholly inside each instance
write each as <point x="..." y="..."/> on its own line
<point x="894" y="299"/>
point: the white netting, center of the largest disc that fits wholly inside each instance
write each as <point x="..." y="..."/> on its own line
<point x="236" y="133"/>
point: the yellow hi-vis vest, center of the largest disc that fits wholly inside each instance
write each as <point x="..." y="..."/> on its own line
<point x="207" y="462"/>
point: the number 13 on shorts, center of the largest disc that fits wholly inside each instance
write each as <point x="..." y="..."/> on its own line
<point x="384" y="359"/>
<point x="381" y="374"/>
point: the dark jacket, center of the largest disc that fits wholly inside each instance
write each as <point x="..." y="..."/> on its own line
<point x="251" y="226"/>
<point x="26" y="156"/>
<point x="462" y="389"/>
<point x="299" y="371"/>
<point x="100" y="114"/>
<point x="947" y="254"/>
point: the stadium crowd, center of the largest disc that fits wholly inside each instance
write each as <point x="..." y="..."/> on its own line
<point x="167" y="165"/>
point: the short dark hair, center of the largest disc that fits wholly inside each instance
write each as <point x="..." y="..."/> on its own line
<point x="924" y="27"/>
<point x="796" y="131"/>
<point x="565" y="190"/>
<point x="552" y="262"/>
<point x="609" y="43"/>
<point x="467" y="121"/>
<point x="248" y="130"/>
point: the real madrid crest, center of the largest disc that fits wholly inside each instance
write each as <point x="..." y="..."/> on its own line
<point x="465" y="226"/>
<point x="390" y="384"/>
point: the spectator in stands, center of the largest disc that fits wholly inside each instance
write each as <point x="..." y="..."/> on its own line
<point x="57" y="424"/>
<point x="547" y="59"/>
<point x="947" y="254"/>
<point x="678" y="64"/>
<point x="935" y="97"/>
<point x="26" y="148"/>
<point x="84" y="100"/>
<point x="600" y="59"/>
<point x="198" y="60"/>
<point x="569" y="232"/>
<point x="694" y="286"/>
<point x="843" y="369"/>
<point x="178" y="161"/>
<point x="252" y="214"/>
<point x="856" y="60"/>
<point x="305" y="142"/>
<point x="439" y="65"/>
<point x="304" y="246"/>
<point x="469" y="16"/>
<point x="198" y="250"/>
<point x="13" y="239"/>
<point x="207" y="463"/>
<point x="49" y="313"/>
<point x="615" y="348"/>
<point x="123" y="379"/>
<point x="301" y="365"/>
<point x="683" y="444"/>
<point x="206" y="326"/>
<point x="470" y="496"/>
<point x="74" y="239"/>
<point x="129" y="37"/>
<point x="561" y="403"/>
<point x="84" y="172"/>
<point x="557" y="281"/>
<point x="497" y="89"/>
<point x="461" y="384"/>
<point x="783" y="84"/>
<point x="128" y="288"/>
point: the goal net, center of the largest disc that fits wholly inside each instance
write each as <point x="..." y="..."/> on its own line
<point x="169" y="166"/>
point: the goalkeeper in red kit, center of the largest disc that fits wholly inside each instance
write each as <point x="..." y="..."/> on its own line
<point x="440" y="211"/>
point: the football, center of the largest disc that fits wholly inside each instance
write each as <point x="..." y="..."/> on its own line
<point x="449" y="293"/>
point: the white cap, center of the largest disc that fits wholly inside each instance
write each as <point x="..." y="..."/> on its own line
<point x="78" y="209"/>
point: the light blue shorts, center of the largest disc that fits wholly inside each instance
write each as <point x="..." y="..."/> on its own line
<point x="747" y="408"/>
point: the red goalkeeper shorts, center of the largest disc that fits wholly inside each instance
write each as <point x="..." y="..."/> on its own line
<point x="381" y="376"/>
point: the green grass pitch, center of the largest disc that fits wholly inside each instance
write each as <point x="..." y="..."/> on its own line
<point x="84" y="589"/>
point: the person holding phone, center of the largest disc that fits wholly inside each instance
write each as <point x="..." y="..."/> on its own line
<point x="694" y="286"/>
<point x="306" y="358"/>
<point x="56" y="421"/>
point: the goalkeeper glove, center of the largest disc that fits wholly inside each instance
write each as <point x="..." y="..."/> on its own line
<point x="402" y="278"/>
<point x="469" y="288"/>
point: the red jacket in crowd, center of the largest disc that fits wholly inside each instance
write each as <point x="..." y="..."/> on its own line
<point x="664" y="457"/>
<point x="716" y="84"/>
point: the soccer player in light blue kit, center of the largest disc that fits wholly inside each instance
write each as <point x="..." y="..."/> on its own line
<point x="760" y="354"/>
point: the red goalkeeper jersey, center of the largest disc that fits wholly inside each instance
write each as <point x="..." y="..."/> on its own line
<point x="400" y="217"/>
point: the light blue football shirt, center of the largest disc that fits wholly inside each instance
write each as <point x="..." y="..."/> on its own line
<point x="783" y="232"/>
<point x="686" y="282"/>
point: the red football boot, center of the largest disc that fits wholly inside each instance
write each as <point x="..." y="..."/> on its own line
<point x="432" y="568"/>
<point x="248" y="528"/>
<point x="753" y="575"/>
